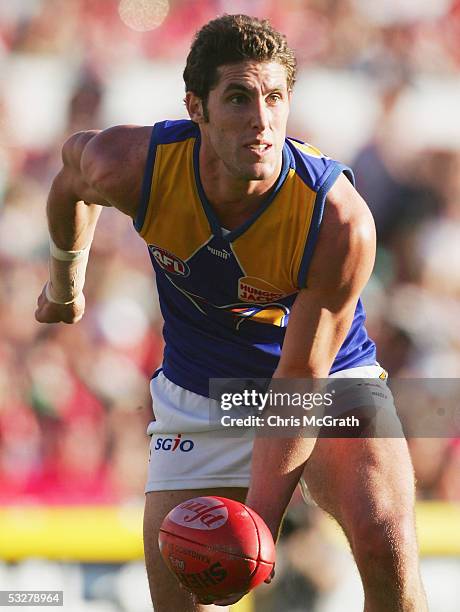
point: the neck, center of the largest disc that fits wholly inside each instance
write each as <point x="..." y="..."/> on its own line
<point x="233" y="199"/>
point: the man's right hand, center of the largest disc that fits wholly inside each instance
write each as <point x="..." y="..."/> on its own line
<point x="50" y="312"/>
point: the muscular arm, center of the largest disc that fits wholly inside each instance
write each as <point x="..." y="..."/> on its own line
<point x="319" y="322"/>
<point x="99" y="169"/>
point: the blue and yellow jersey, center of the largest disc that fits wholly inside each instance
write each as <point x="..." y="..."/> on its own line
<point x="226" y="296"/>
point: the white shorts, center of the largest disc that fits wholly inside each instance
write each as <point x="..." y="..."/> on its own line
<point x="187" y="452"/>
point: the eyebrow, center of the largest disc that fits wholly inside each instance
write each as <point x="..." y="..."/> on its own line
<point x="241" y="87"/>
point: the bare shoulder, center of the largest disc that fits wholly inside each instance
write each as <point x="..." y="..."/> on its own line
<point x="345" y="251"/>
<point x="346" y="212"/>
<point x="111" y="162"/>
<point x="74" y="146"/>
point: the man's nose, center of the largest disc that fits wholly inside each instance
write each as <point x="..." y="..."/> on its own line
<point x="259" y="115"/>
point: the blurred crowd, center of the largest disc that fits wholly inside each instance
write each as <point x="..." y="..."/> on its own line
<point x="74" y="400"/>
<point x="378" y="87"/>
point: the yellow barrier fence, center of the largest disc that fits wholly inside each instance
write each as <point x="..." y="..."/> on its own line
<point x="113" y="534"/>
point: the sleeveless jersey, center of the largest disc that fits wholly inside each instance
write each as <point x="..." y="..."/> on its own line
<point x="226" y="296"/>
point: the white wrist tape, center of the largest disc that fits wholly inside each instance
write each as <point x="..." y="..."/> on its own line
<point x="62" y="255"/>
<point x="67" y="274"/>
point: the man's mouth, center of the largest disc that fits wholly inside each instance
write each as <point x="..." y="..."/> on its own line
<point x="259" y="147"/>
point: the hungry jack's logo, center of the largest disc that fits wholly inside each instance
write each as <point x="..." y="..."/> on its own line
<point x="257" y="291"/>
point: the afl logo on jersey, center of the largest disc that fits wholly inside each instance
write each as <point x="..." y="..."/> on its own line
<point x="169" y="262"/>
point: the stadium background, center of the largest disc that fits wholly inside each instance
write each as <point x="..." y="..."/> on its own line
<point x="378" y="88"/>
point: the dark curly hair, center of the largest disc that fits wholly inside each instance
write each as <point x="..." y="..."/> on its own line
<point x="231" y="39"/>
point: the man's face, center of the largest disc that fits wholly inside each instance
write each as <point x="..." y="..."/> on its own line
<point x="247" y="113"/>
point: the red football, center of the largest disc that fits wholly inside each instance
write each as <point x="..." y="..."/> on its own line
<point x="216" y="546"/>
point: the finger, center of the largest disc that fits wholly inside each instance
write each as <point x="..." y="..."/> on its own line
<point x="44" y="318"/>
<point x="41" y="300"/>
<point x="42" y="315"/>
<point x="270" y="578"/>
<point x="211" y="599"/>
<point x="231" y="599"/>
<point x="70" y="318"/>
<point x="73" y="317"/>
<point x="205" y="601"/>
<point x="46" y="313"/>
<point x="77" y="318"/>
<point x="202" y="599"/>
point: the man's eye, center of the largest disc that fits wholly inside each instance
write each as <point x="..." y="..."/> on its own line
<point x="274" y="98"/>
<point x="237" y="99"/>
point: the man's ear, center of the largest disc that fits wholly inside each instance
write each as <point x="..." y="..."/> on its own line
<point x="194" y="106"/>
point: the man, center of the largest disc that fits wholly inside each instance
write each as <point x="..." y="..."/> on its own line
<point x="246" y="229"/>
